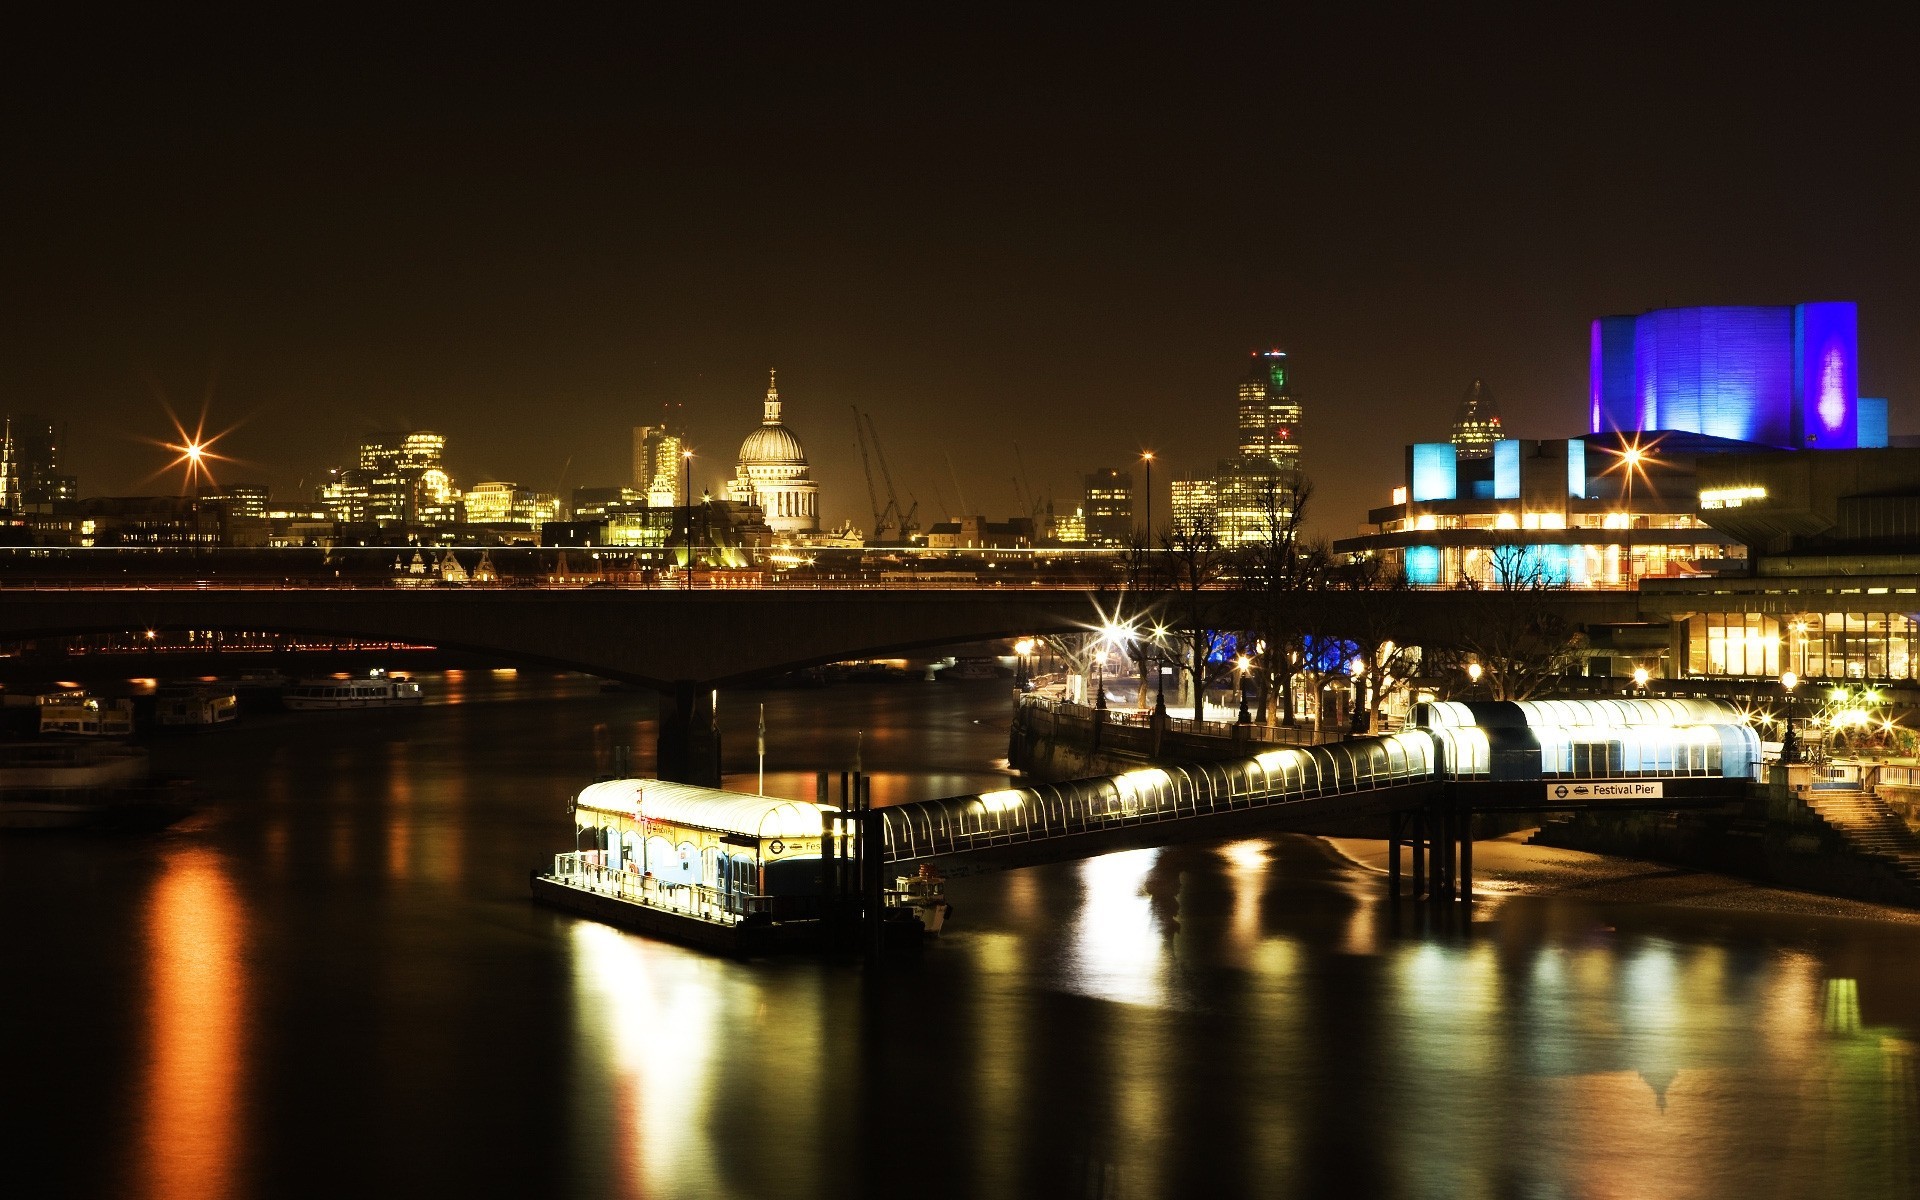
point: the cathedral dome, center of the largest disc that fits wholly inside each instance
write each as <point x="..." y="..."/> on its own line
<point x="773" y="475"/>
<point x="772" y="445"/>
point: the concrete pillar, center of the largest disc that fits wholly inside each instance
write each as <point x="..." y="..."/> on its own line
<point x="688" y="740"/>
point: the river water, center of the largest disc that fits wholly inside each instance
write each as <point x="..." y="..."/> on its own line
<point x="331" y="983"/>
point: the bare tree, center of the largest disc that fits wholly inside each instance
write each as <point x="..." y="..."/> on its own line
<point x="1191" y="565"/>
<point x="1377" y="626"/>
<point x="1520" y="639"/>
<point x="1274" y="572"/>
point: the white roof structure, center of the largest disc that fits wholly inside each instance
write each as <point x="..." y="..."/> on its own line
<point x="703" y="808"/>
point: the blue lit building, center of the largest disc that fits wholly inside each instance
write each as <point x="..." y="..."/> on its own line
<point x="1776" y="376"/>
<point x="1599" y="511"/>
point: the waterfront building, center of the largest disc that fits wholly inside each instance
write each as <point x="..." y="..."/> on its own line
<point x="1833" y="594"/>
<point x="1780" y="376"/>
<point x="1476" y="426"/>
<point x="657" y="464"/>
<point x="1578" y="512"/>
<point x="165" y="521"/>
<point x="772" y="473"/>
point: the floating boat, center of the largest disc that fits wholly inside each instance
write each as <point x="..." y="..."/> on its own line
<point x="195" y="706"/>
<point x="721" y="870"/>
<point x="84" y="715"/>
<point x="378" y="690"/>
<point x="83" y="785"/>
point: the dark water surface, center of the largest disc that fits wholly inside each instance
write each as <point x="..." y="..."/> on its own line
<point x="332" y="984"/>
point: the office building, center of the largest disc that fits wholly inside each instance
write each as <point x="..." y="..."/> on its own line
<point x="250" y="500"/>
<point x="1108" y="510"/>
<point x="1195" y="502"/>
<point x="400" y="482"/>
<point x="657" y="464"/>
<point x="30" y="478"/>
<point x="1476" y="426"/>
<point x="502" y="503"/>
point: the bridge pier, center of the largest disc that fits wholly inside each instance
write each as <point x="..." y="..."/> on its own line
<point x="688" y="740"/>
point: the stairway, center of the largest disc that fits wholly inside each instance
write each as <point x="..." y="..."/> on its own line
<point x="1870" y="827"/>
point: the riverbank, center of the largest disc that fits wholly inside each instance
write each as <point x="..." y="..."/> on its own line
<point x="1508" y="866"/>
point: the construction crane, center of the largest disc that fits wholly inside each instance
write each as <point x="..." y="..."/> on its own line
<point x="873" y="495"/>
<point x="902" y="521"/>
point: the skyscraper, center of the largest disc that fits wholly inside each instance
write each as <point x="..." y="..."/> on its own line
<point x="30" y="464"/>
<point x="1269" y="418"/>
<point x="1109" y="507"/>
<point x="1476" y="426"/>
<point x="1253" y="493"/>
<point x="656" y="464"/>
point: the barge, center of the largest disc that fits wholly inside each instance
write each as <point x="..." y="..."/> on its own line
<point x="723" y="871"/>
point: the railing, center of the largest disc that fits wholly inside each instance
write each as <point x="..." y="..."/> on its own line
<point x="582" y="870"/>
<point x="1255" y="732"/>
<point x="1149" y="795"/>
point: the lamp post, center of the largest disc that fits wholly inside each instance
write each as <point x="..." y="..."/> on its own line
<point x="1474" y="671"/>
<point x="1640" y="677"/>
<point x="686" y="458"/>
<point x="1789" y="747"/>
<point x="1146" y="456"/>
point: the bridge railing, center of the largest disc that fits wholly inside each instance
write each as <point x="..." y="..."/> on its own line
<point x="1288" y="775"/>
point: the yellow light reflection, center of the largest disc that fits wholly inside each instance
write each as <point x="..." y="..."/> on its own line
<point x="1119" y="947"/>
<point x="196" y="996"/>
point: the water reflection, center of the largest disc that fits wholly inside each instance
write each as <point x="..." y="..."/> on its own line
<point x="196" y="1006"/>
<point x="1243" y="1019"/>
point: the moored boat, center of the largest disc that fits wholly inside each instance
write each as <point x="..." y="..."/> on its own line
<point x="83" y="785"/>
<point x="378" y="690"/>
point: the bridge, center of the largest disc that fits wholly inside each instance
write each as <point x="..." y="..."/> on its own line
<point x="688" y="644"/>
<point x="1461" y="758"/>
<point x="1428" y="781"/>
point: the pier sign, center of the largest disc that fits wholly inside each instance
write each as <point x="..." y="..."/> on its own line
<point x="1606" y="789"/>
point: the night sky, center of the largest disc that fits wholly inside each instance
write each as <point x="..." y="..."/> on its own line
<point x="1064" y="236"/>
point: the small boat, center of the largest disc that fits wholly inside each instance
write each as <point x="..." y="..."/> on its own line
<point x="85" y="715"/>
<point x="971" y="668"/>
<point x="195" y="707"/>
<point x="378" y="690"/>
<point x="83" y="785"/>
<point x="922" y="893"/>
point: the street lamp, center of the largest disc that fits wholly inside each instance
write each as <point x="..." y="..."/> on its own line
<point x="1146" y="456"/>
<point x="1640" y="677"/>
<point x="686" y="459"/>
<point x="1474" y="671"/>
<point x="1789" y="748"/>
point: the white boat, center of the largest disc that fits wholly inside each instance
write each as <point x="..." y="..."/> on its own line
<point x="85" y="715"/>
<point x="75" y="785"/>
<point x="195" y="707"/>
<point x="378" y="690"/>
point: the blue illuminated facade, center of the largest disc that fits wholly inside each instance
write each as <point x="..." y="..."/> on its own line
<point x="1767" y="375"/>
<point x="1434" y="471"/>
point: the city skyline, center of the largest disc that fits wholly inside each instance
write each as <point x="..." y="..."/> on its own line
<point x="986" y="242"/>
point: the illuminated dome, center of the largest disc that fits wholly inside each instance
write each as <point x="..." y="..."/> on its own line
<point x="773" y="473"/>
<point x="772" y="445"/>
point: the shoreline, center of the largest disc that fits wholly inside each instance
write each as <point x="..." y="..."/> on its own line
<point x="1507" y="867"/>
